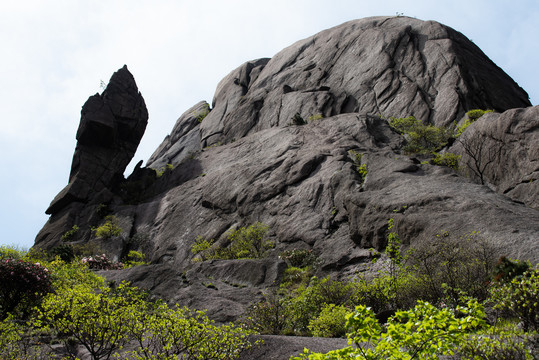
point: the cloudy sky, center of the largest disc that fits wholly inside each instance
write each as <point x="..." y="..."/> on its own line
<point x="56" y="53"/>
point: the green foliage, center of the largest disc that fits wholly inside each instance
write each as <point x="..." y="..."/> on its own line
<point x="70" y="234"/>
<point x="507" y="269"/>
<point x="520" y="298"/>
<point x="250" y="242"/>
<point x="99" y="321"/>
<point x="423" y="332"/>
<point x="422" y="139"/>
<point x="66" y="252"/>
<point x="11" y="252"/>
<point x="299" y="257"/>
<point x="447" y="159"/>
<point x="360" y="168"/>
<point x="164" y="333"/>
<point x="22" y="286"/>
<point x="135" y="258"/>
<point x="330" y="323"/>
<point x="472" y="115"/>
<point x="294" y="277"/>
<point x="202" y="247"/>
<point x="109" y="229"/>
<point x="315" y="117"/>
<point x="199" y="116"/>
<point x="298" y="120"/>
<point x="162" y="170"/>
<point x="451" y="265"/>
<point x="495" y="345"/>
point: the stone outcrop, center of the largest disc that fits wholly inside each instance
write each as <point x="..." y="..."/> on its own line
<point x="244" y="160"/>
<point x="504" y="149"/>
<point x="110" y="130"/>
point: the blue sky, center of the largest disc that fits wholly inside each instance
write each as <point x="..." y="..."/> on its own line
<point x="55" y="54"/>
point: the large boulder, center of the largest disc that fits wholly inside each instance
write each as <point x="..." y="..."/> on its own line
<point x="388" y="66"/>
<point x="299" y="142"/>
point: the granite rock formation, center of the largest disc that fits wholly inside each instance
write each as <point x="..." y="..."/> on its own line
<point x="249" y="159"/>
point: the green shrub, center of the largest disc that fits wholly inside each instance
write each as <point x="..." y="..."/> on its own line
<point x="66" y="252"/>
<point x="360" y="168"/>
<point x="299" y="257"/>
<point x="447" y="159"/>
<point x="452" y="265"/>
<point x="109" y="229"/>
<point x="250" y="242"/>
<point x="421" y="138"/>
<point x="202" y="247"/>
<point x="315" y="117"/>
<point x="22" y="286"/>
<point x="11" y="252"/>
<point x="268" y="316"/>
<point x="520" y="298"/>
<point x="423" y="332"/>
<point x="473" y="115"/>
<point x="98" y="320"/>
<point x="135" y="258"/>
<point x="294" y="277"/>
<point x="70" y="234"/>
<point x="331" y="322"/>
<point x="165" y="333"/>
<point x="199" y="116"/>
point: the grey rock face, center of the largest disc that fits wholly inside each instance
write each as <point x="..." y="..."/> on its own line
<point x="392" y="66"/>
<point x="110" y="129"/>
<point x="504" y="149"/>
<point x="247" y="161"/>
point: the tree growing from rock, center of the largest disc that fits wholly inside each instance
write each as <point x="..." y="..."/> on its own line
<point x="481" y="152"/>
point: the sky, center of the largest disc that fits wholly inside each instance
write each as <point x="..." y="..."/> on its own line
<point x="55" y="54"/>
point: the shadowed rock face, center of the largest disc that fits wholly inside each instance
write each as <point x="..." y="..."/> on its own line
<point x="109" y="133"/>
<point x="245" y="161"/>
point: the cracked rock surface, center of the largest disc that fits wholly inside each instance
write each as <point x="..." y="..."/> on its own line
<point x="244" y="160"/>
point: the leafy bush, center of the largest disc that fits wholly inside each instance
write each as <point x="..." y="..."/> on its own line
<point x="135" y="258"/>
<point x="22" y="286"/>
<point x="101" y="262"/>
<point x="422" y="139"/>
<point x="473" y="115"/>
<point x="294" y="277"/>
<point x="520" y="297"/>
<point x="331" y="322"/>
<point x="298" y="257"/>
<point x="360" y="168"/>
<point x="66" y="252"/>
<point x="423" y="332"/>
<point x="99" y="321"/>
<point x="10" y="252"/>
<point x="245" y="243"/>
<point x="250" y="242"/>
<point x="70" y="234"/>
<point x="165" y="333"/>
<point x="447" y="159"/>
<point x="268" y="316"/>
<point x="109" y="229"/>
<point x="451" y="265"/>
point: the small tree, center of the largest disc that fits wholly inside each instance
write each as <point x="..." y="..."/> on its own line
<point x="99" y="321"/>
<point x="481" y="152"/>
<point x="109" y="229"/>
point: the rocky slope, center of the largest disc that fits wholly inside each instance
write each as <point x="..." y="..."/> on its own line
<point x="249" y="159"/>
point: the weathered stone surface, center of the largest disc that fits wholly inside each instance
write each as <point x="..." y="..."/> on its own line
<point x="509" y="140"/>
<point x="245" y="162"/>
<point x="393" y="66"/>
<point x="110" y="130"/>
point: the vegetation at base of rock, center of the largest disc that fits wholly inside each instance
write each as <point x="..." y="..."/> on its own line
<point x="447" y="159"/>
<point x="80" y="310"/>
<point x="421" y="332"/>
<point x="316" y="117"/>
<point x="421" y="138"/>
<point x="244" y="243"/>
<point x="331" y="322"/>
<point x="109" y="229"/>
<point x="135" y="258"/>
